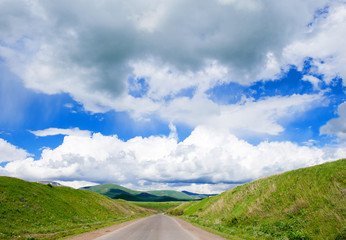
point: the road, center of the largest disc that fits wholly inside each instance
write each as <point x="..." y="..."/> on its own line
<point x="158" y="227"/>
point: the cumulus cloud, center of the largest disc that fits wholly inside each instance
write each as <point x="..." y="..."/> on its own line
<point x="91" y="49"/>
<point x="207" y="156"/>
<point x="9" y="152"/>
<point x="76" y="184"/>
<point x="313" y="80"/>
<point x="336" y="126"/>
<point x="323" y="43"/>
<point x="261" y="117"/>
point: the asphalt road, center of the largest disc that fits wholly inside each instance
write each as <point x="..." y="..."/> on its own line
<point x="157" y="227"/>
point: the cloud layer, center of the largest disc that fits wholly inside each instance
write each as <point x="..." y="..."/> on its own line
<point x="144" y="58"/>
<point x="56" y="131"/>
<point x="337" y="126"/>
<point x="205" y="157"/>
<point x="90" y="50"/>
<point x="10" y="153"/>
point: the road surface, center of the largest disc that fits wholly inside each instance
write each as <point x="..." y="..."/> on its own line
<point x="158" y="227"/>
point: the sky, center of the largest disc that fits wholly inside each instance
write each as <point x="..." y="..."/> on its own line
<point x="175" y="94"/>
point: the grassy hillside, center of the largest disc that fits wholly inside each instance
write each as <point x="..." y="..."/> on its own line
<point x="118" y="192"/>
<point x="110" y="189"/>
<point x="197" y="195"/>
<point x="307" y="203"/>
<point x="172" y="194"/>
<point x="33" y="210"/>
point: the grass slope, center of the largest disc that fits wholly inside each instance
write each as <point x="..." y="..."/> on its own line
<point x="33" y="210"/>
<point x="118" y="192"/>
<point x="307" y="203"/>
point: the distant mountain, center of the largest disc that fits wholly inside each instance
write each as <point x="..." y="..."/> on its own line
<point x="111" y="190"/>
<point x="119" y="192"/>
<point x="199" y="195"/>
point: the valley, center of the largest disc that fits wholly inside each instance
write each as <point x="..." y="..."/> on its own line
<point x="115" y="191"/>
<point x="307" y="203"/>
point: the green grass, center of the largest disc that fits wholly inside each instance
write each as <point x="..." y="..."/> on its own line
<point x="306" y="203"/>
<point x="157" y="206"/>
<point x="34" y="211"/>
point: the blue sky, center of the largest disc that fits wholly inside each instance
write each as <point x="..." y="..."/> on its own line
<point x="150" y="96"/>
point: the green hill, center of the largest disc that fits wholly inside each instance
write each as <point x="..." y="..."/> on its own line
<point x="111" y="190"/>
<point x="173" y="194"/>
<point x="118" y="192"/>
<point x="34" y="210"/>
<point x="307" y="203"/>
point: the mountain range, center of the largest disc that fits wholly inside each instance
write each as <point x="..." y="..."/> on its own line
<point x="115" y="191"/>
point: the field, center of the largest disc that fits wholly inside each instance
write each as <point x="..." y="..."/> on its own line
<point x="307" y="203"/>
<point x="36" y="211"/>
<point x="157" y="206"/>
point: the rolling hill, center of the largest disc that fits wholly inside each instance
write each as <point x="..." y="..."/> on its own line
<point x="197" y="195"/>
<point x="33" y="210"/>
<point x="308" y="203"/>
<point x="119" y="192"/>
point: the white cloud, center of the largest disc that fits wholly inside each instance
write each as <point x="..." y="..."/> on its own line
<point x="68" y="105"/>
<point x="57" y="131"/>
<point x="150" y="17"/>
<point x="324" y="43"/>
<point x="9" y="152"/>
<point x="76" y="184"/>
<point x="247" y="116"/>
<point x="203" y="188"/>
<point x="55" y="47"/>
<point x="313" y="80"/>
<point x="261" y="117"/>
<point x="207" y="156"/>
<point x="336" y="126"/>
<point x="165" y="80"/>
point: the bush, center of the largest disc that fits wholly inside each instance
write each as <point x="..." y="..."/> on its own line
<point x="341" y="236"/>
<point x="298" y="235"/>
<point x="176" y="212"/>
